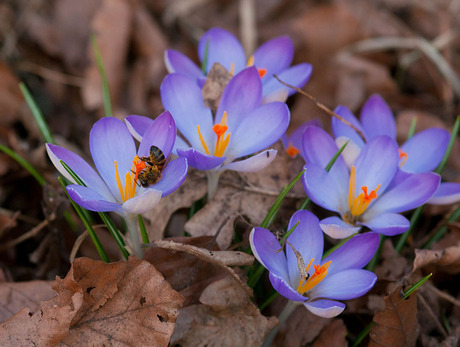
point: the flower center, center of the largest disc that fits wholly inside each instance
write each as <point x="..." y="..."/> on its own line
<point x="402" y="157"/>
<point x="129" y="189"/>
<point x="292" y="150"/>
<point x="222" y="138"/>
<point x="262" y="71"/>
<point x="357" y="205"/>
<point x="307" y="283"/>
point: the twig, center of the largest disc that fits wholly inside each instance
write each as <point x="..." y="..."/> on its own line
<point x="323" y="107"/>
<point x="386" y="43"/>
<point x="432" y="315"/>
<point x="51" y="75"/>
<point x="31" y="233"/>
<point x="443" y="295"/>
<point x="222" y="259"/>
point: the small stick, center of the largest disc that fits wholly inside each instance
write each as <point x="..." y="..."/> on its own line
<point x="323" y="107"/>
<point x="432" y="315"/>
<point x="443" y="295"/>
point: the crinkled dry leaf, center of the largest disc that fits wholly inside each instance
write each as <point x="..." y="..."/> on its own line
<point x="216" y="80"/>
<point x="226" y="317"/>
<point x="17" y="295"/>
<point x="190" y="191"/>
<point x="393" y="266"/>
<point x="247" y="194"/>
<point x="396" y="325"/>
<point x="332" y="335"/>
<point x="97" y="303"/>
<point x="446" y="260"/>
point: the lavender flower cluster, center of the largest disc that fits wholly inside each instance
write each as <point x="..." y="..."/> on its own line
<point x="369" y="185"/>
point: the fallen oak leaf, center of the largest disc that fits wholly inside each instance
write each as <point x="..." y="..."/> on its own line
<point x="396" y="325"/>
<point x="222" y="259"/>
<point x="447" y="259"/>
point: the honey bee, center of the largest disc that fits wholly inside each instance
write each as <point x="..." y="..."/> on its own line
<point x="155" y="163"/>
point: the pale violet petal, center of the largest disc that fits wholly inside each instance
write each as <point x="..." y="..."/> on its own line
<point x="337" y="228"/>
<point x="143" y="202"/>
<point x="325" y="308"/>
<point x="254" y="163"/>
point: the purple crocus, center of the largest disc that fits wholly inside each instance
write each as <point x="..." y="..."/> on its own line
<point x="273" y="57"/>
<point x="114" y="187"/>
<point x="301" y="274"/>
<point x="240" y="127"/>
<point x="293" y="143"/>
<point x="421" y="153"/>
<point x="362" y="193"/>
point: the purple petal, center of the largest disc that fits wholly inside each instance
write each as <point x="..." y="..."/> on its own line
<point x="161" y="133"/>
<point x="241" y="95"/>
<point x="377" y="164"/>
<point x="354" y="254"/>
<point x="337" y="228"/>
<point x="143" y="202"/>
<point x="199" y="160"/>
<point x="425" y="150"/>
<point x="274" y="55"/>
<point x="388" y="224"/>
<point x="177" y="62"/>
<point x="377" y="118"/>
<point x="295" y="139"/>
<point x="282" y="287"/>
<point x="325" y="308"/>
<point x="259" y="129"/>
<point x="179" y="144"/>
<point x="223" y="48"/>
<point x="340" y="129"/>
<point x="182" y="97"/>
<point x="91" y="199"/>
<point x="322" y="188"/>
<point x="173" y="176"/>
<point x="412" y="192"/>
<point x="137" y="125"/>
<point x="319" y="148"/>
<point x="296" y="76"/>
<point x="307" y="239"/>
<point x="87" y="174"/>
<point x="266" y="249"/>
<point x="253" y="164"/>
<point x="447" y="193"/>
<point x="344" y="285"/>
<point x="110" y="141"/>
<point x="351" y="151"/>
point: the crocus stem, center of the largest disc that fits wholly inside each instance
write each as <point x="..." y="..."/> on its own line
<point x="213" y="180"/>
<point x="134" y="235"/>
<point x="288" y="309"/>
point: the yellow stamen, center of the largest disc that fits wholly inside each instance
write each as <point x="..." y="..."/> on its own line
<point x="129" y="189"/>
<point x="202" y="140"/>
<point x="120" y="186"/>
<point x="358" y="205"/>
<point x="312" y="281"/>
<point x="250" y="61"/>
<point x="232" y="69"/>
<point x="222" y="140"/>
<point x="262" y="71"/>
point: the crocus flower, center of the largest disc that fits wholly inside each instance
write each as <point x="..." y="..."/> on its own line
<point x="273" y="57"/>
<point x="322" y="282"/>
<point x="240" y="127"/>
<point x="362" y="194"/>
<point x="421" y="153"/>
<point x="293" y="143"/>
<point x="114" y="186"/>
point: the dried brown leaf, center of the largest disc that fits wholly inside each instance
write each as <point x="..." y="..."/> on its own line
<point x="446" y="260"/>
<point x="393" y="266"/>
<point x="97" y="303"/>
<point x="112" y="26"/>
<point x="396" y="325"/>
<point x="226" y="317"/>
<point x="332" y="335"/>
<point x="17" y="295"/>
<point x="216" y="80"/>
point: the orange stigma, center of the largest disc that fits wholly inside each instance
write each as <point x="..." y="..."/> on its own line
<point x="262" y="72"/>
<point x="291" y="150"/>
<point x="357" y="205"/>
<point x="308" y="283"/>
<point x="402" y="157"/>
<point x="128" y="190"/>
<point x="222" y="140"/>
<point x="139" y="165"/>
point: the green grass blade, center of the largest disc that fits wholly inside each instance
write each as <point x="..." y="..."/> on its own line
<point x="413" y="124"/>
<point x="100" y="249"/>
<point x="204" y="64"/>
<point x="269" y="300"/>
<point x="145" y="236"/>
<point x="37" y="114"/>
<point x="24" y="164"/>
<point x="416" y="286"/>
<point x="413" y="222"/>
<point x="105" y="83"/>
